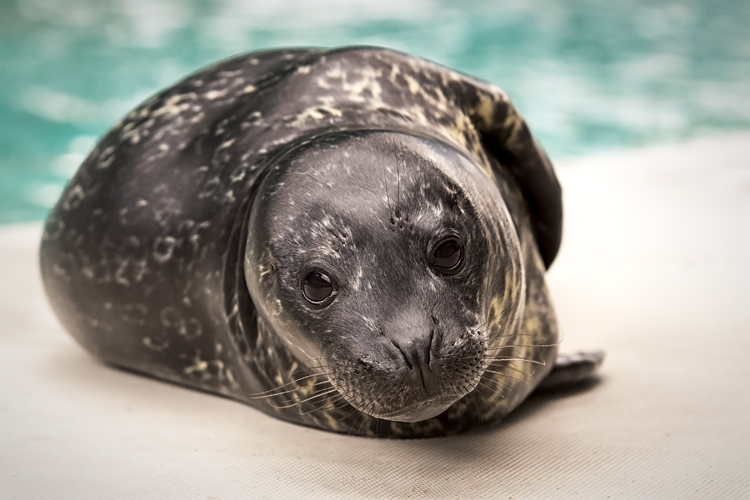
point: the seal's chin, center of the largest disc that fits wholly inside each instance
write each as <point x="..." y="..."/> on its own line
<point x="420" y="411"/>
<point x="412" y="412"/>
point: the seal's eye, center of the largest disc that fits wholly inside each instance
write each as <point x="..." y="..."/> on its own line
<point x="317" y="287"/>
<point x="447" y="256"/>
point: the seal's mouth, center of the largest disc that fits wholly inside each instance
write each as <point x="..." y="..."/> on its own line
<point x="420" y="388"/>
<point x="399" y="402"/>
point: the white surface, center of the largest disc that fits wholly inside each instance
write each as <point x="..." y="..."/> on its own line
<point x="654" y="269"/>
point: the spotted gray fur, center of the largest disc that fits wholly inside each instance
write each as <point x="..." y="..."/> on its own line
<point x="150" y="256"/>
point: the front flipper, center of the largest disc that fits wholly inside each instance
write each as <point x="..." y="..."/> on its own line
<point x="571" y="369"/>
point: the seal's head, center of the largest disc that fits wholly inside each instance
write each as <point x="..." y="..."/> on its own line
<point x="391" y="261"/>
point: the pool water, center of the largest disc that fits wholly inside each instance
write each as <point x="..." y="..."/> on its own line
<point x="589" y="76"/>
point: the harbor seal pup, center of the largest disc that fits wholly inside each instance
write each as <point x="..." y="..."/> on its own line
<point x="350" y="239"/>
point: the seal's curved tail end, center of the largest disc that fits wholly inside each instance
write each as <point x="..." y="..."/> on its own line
<point x="571" y="369"/>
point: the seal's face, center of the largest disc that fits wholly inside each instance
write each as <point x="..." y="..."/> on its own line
<point x="372" y="260"/>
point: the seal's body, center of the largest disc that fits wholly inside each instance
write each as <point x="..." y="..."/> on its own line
<point x="351" y="239"/>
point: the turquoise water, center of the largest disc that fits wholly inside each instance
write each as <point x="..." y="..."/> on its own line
<point x="589" y="76"/>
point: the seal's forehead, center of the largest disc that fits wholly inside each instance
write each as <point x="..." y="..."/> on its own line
<point x="363" y="173"/>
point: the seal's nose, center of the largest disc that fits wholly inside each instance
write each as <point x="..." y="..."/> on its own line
<point x="412" y="333"/>
<point x="416" y="353"/>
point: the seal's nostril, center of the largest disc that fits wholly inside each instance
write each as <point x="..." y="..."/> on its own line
<point x="406" y="358"/>
<point x="417" y="354"/>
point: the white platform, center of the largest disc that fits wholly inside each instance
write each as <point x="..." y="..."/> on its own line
<point x="654" y="269"/>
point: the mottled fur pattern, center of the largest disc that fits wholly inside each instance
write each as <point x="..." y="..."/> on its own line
<point x="143" y="256"/>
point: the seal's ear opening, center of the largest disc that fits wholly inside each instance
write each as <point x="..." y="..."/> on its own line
<point x="506" y="136"/>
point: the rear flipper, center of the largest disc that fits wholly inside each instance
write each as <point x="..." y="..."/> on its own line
<point x="571" y="369"/>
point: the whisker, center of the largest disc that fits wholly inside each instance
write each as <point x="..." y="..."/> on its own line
<point x="364" y="415"/>
<point x="474" y="404"/>
<point x="349" y="414"/>
<point x="508" y="367"/>
<point x="294" y="380"/>
<point x="296" y="403"/>
<point x="517" y="379"/>
<point x="482" y="385"/>
<point x="525" y="360"/>
<point x="398" y="190"/>
<point x="326" y="405"/>
<point x="507" y="346"/>
<point x="387" y="197"/>
<point x="338" y="402"/>
<point x="271" y="394"/>
<point x="502" y="385"/>
<point x="489" y="369"/>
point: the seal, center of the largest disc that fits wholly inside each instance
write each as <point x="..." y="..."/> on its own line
<point x="351" y="239"/>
